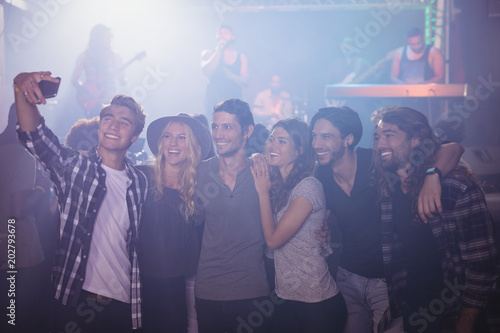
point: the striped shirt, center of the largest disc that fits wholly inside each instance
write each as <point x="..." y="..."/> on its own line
<point x="464" y="235"/>
<point x="80" y="188"/>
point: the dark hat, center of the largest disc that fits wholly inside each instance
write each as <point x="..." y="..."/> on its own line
<point x="200" y="132"/>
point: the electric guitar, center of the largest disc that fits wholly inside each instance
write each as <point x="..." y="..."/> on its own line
<point x="91" y="93"/>
<point x="354" y="78"/>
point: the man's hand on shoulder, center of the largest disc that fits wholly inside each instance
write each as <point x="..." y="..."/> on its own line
<point x="429" y="198"/>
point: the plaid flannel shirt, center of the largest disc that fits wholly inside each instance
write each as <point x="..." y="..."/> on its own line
<point x="465" y="238"/>
<point x="80" y="188"/>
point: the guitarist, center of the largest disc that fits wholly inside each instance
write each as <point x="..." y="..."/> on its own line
<point x="102" y="70"/>
<point x="353" y="69"/>
<point x="343" y="70"/>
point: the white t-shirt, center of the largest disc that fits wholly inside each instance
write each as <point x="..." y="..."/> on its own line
<point x="108" y="266"/>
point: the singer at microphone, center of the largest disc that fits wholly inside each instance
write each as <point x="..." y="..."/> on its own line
<point x="226" y="69"/>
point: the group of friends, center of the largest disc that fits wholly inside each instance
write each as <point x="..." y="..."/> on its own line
<point x="418" y="250"/>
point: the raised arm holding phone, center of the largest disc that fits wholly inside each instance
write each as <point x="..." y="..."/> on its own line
<point x="100" y="196"/>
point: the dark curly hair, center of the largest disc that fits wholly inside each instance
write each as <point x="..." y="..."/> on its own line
<point x="303" y="166"/>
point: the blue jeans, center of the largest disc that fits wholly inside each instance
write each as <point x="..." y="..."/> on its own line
<point x="366" y="301"/>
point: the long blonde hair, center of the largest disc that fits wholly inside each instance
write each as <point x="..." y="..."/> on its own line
<point x="188" y="176"/>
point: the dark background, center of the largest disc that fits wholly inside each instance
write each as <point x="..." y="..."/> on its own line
<point x="297" y="44"/>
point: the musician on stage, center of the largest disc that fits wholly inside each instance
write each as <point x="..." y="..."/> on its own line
<point x="226" y="69"/>
<point x="272" y="104"/>
<point x="417" y="63"/>
<point x="102" y="70"/>
<point x="347" y="68"/>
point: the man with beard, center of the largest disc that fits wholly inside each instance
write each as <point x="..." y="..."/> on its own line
<point x="351" y="197"/>
<point x="417" y="63"/>
<point x="231" y="284"/>
<point x="441" y="275"/>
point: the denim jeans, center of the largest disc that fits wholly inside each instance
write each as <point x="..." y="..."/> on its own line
<point x="366" y="300"/>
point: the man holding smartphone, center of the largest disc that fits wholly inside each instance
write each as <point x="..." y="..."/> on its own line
<point x="48" y="88"/>
<point x="100" y="196"/>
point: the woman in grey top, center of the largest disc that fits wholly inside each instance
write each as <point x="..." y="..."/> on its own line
<point x="292" y="206"/>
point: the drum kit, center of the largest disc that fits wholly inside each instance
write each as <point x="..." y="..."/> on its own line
<point x="299" y="110"/>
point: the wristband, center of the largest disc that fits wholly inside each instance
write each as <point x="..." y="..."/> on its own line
<point x="434" y="170"/>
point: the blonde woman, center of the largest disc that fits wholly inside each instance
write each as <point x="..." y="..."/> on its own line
<point x="168" y="239"/>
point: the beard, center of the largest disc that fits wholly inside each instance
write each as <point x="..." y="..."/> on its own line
<point x="387" y="165"/>
<point x="337" y="156"/>
<point x="233" y="151"/>
<point x="399" y="157"/>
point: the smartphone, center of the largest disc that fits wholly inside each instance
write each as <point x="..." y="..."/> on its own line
<point x="49" y="89"/>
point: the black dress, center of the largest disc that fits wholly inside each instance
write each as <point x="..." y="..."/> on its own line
<point x="169" y="247"/>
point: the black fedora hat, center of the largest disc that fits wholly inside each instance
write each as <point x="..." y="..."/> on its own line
<point x="200" y="132"/>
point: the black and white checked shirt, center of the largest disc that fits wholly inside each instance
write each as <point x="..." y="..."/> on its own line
<point x="80" y="187"/>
